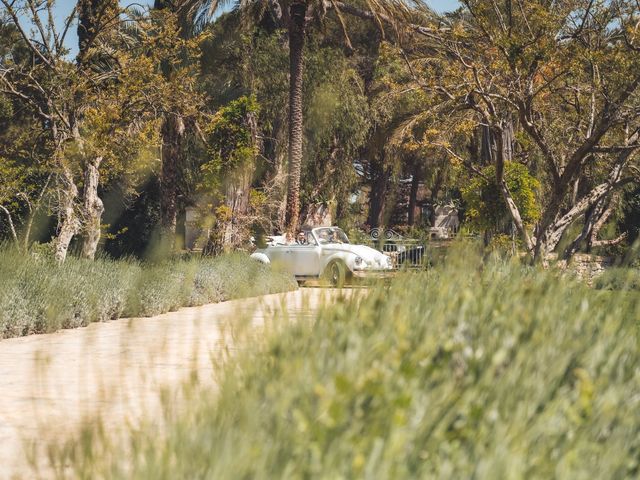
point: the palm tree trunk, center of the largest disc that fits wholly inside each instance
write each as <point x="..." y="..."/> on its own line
<point x="379" y="192"/>
<point x="297" y="25"/>
<point x="172" y="135"/>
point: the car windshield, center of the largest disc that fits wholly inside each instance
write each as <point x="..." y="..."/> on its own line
<point x="330" y="235"/>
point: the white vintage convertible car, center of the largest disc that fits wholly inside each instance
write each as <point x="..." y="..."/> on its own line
<point x="324" y="252"/>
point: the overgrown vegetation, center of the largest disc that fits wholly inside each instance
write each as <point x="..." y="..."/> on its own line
<point x="486" y="208"/>
<point x="483" y="370"/>
<point x="619" y="279"/>
<point x="257" y="117"/>
<point x="40" y="296"/>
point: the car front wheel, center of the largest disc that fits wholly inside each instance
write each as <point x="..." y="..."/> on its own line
<point x="336" y="274"/>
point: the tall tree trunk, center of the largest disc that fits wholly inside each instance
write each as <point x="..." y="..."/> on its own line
<point x="93" y="208"/>
<point x="96" y="18"/>
<point x="297" y="26"/>
<point x="69" y="221"/>
<point x="237" y="201"/>
<point x="380" y="177"/>
<point x="487" y="146"/>
<point x="172" y="138"/>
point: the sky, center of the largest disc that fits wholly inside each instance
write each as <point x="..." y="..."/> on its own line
<point x="64" y="7"/>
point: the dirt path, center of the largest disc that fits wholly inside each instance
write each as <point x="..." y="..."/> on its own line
<point x="50" y="383"/>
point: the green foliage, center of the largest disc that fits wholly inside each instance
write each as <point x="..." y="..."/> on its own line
<point x="336" y="105"/>
<point x="121" y="120"/>
<point x="241" y="61"/>
<point x="231" y="141"/>
<point x="40" y="296"/>
<point x="502" y="244"/>
<point x="338" y="122"/>
<point x="374" y="114"/>
<point x="619" y="279"/>
<point x="24" y="165"/>
<point x="6" y="108"/>
<point x="630" y="218"/>
<point x="458" y="373"/>
<point x="485" y="206"/>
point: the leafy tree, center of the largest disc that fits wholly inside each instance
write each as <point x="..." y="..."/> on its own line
<point x="228" y="173"/>
<point x="183" y="21"/>
<point x="35" y="72"/>
<point x="557" y="81"/>
<point x="293" y="15"/>
<point x="486" y="209"/>
<point x="25" y="176"/>
<point x="95" y="113"/>
<point x="337" y="126"/>
<point x="251" y="62"/>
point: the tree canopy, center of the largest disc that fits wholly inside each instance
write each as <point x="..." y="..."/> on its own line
<point x="525" y="114"/>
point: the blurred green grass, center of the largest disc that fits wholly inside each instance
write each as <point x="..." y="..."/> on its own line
<point x="40" y="296"/>
<point x="619" y="279"/>
<point x="474" y="369"/>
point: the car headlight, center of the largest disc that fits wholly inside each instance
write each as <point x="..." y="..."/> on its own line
<point x="358" y="262"/>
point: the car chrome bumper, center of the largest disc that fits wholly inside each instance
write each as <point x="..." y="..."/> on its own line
<point x="374" y="273"/>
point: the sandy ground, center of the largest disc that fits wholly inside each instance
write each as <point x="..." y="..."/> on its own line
<point x="50" y="383"/>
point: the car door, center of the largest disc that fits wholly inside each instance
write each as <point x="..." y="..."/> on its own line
<point x="276" y="255"/>
<point x="302" y="260"/>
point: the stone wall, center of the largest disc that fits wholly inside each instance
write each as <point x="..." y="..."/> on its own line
<point x="586" y="267"/>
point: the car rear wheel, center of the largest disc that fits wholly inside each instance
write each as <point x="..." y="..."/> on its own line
<point x="336" y="274"/>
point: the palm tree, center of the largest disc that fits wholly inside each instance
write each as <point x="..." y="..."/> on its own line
<point x="298" y="11"/>
<point x="297" y="29"/>
<point x="294" y="14"/>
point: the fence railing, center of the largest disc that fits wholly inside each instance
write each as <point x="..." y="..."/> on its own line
<point x="404" y="252"/>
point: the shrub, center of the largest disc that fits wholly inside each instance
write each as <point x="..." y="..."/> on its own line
<point x="485" y="205"/>
<point x="41" y="296"/>
<point x="483" y="371"/>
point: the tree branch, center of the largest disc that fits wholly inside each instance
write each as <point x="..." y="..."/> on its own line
<point x="12" y="228"/>
<point x="381" y="17"/>
<point x="36" y="20"/>
<point x="16" y="21"/>
<point x="609" y="243"/>
<point x="608" y="118"/>
<point x="616" y="148"/>
<point x="526" y="119"/>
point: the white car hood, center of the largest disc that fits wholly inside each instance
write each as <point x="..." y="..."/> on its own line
<point x="371" y="256"/>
